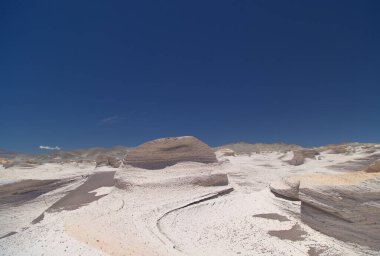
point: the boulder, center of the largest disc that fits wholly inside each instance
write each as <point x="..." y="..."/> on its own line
<point x="160" y="153"/>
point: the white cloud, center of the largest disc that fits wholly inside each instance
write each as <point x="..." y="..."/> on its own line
<point x="111" y="120"/>
<point x="50" y="148"/>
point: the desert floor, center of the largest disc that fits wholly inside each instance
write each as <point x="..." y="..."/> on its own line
<point x="185" y="209"/>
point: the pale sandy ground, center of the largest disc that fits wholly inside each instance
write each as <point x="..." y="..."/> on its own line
<point x="162" y="212"/>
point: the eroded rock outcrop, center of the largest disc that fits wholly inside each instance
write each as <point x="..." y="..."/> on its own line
<point x="212" y="180"/>
<point x="287" y="187"/>
<point x="345" y="206"/>
<point x="374" y="167"/>
<point x="225" y="152"/>
<point x="338" y="149"/>
<point x="4" y="162"/>
<point x="103" y="160"/>
<point x="335" y="149"/>
<point x="160" y="153"/>
<point x="299" y="156"/>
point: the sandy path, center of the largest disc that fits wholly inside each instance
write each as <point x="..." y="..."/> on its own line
<point x="83" y="195"/>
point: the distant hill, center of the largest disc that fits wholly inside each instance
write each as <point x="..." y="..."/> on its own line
<point x="61" y="156"/>
<point x="247" y="148"/>
<point x="92" y="153"/>
<point x="5" y="153"/>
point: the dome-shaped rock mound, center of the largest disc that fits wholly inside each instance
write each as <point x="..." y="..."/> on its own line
<point x="160" y="153"/>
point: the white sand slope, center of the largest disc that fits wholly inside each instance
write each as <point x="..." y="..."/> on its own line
<point x="168" y="212"/>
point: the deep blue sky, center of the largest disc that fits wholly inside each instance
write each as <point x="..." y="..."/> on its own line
<point x="102" y="73"/>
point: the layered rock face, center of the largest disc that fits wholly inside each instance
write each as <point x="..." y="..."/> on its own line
<point x="160" y="153"/>
<point x="348" y="212"/>
<point x="345" y="206"/>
